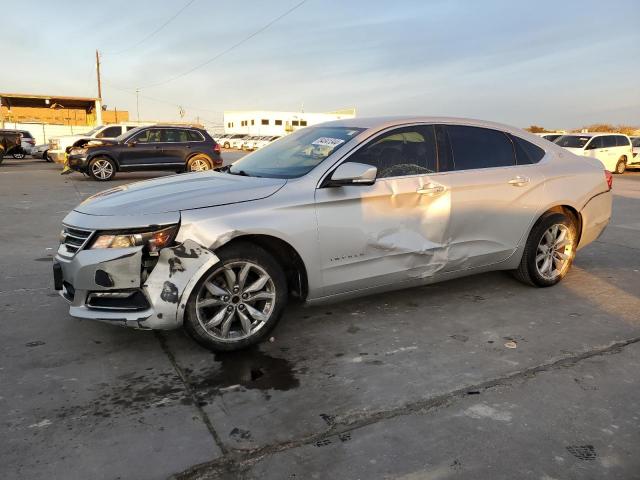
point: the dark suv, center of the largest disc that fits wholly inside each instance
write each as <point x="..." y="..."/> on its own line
<point x="157" y="147"/>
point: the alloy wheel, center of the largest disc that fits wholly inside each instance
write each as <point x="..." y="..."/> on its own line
<point x="102" y="169"/>
<point x="554" y="252"/>
<point x="199" y="165"/>
<point x="235" y="301"/>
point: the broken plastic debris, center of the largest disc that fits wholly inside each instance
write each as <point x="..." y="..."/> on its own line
<point x="511" y="344"/>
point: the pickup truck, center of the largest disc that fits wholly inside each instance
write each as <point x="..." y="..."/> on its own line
<point x="59" y="145"/>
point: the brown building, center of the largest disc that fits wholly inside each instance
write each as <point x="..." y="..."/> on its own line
<point x="56" y="110"/>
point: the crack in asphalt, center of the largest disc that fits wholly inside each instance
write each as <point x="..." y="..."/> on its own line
<point x="234" y="461"/>
<point x="190" y="392"/>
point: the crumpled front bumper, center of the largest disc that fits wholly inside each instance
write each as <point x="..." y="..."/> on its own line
<point x="166" y="289"/>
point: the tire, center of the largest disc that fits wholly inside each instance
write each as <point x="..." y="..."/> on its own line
<point x="226" y="145"/>
<point x="102" y="169"/>
<point x="621" y="166"/>
<point x="199" y="163"/>
<point x="230" y="331"/>
<point x="18" y="155"/>
<point x="46" y="156"/>
<point x="534" y="258"/>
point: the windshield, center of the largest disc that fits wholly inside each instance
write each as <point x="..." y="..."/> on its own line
<point x="295" y="155"/>
<point x="94" y="131"/>
<point x="573" y="141"/>
<point x="123" y="137"/>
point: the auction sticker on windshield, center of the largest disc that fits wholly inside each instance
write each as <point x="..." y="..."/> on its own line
<point x="327" y="142"/>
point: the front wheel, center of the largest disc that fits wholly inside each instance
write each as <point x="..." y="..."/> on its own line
<point x="621" y="166"/>
<point x="102" y="169"/>
<point x="549" y="251"/>
<point x="18" y="155"/>
<point x="46" y="156"/>
<point x="239" y="301"/>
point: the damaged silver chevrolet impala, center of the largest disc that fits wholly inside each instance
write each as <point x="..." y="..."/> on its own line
<point x="332" y="211"/>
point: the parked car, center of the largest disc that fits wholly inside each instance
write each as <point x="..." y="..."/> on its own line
<point x="333" y="211"/>
<point x="147" y="148"/>
<point x="58" y="146"/>
<point x="635" y="143"/>
<point x="220" y="138"/>
<point x="249" y="142"/>
<point x="612" y="149"/>
<point x="9" y="143"/>
<point x="264" y="141"/>
<point x="26" y="143"/>
<point x="234" y="141"/>
<point x="41" y="151"/>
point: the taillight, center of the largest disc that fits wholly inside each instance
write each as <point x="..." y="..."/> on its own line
<point x="216" y="148"/>
<point x="609" y="178"/>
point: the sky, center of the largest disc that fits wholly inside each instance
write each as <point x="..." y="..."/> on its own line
<point x="556" y="64"/>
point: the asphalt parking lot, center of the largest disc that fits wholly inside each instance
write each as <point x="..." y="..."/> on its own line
<point x="417" y="384"/>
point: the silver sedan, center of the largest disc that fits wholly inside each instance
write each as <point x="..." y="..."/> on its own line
<point x="333" y="211"/>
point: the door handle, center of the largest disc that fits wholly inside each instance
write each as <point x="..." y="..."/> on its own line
<point x="431" y="189"/>
<point x="519" y="181"/>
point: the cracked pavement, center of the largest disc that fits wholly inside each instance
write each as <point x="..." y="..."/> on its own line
<point x="416" y="384"/>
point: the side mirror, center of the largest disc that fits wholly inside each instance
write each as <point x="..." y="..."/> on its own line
<point x="351" y="173"/>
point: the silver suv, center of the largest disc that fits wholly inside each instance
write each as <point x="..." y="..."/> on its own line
<point x="332" y="211"/>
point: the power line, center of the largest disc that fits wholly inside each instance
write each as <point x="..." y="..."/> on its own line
<point x="232" y="47"/>
<point x="154" y="32"/>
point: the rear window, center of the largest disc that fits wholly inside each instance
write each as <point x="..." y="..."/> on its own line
<point x="572" y="141"/>
<point x="195" y="136"/>
<point x="526" y="152"/>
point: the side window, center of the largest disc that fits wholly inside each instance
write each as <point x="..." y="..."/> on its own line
<point x="526" y="152"/>
<point x="403" y="151"/>
<point x="110" y="132"/>
<point x="130" y="127"/>
<point x="174" y="135"/>
<point x="475" y="147"/>
<point x="608" y="141"/>
<point x="148" y="136"/>
<point x="622" y="141"/>
<point x="596" y="142"/>
<point x="194" y="136"/>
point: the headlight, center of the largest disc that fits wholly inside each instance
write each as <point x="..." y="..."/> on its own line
<point x="78" y="151"/>
<point x="154" y="241"/>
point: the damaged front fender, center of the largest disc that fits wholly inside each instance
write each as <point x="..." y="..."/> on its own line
<point x="172" y="280"/>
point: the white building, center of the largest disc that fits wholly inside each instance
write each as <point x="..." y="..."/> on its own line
<point x="263" y="123"/>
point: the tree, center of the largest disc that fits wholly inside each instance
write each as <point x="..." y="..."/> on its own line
<point x="537" y="129"/>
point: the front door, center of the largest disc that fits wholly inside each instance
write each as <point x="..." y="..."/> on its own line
<point x="143" y="150"/>
<point x="392" y="231"/>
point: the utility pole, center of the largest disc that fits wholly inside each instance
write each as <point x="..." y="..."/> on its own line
<point x="98" y="72"/>
<point x="137" y="105"/>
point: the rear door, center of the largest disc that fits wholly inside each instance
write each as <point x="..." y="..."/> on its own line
<point x="176" y="146"/>
<point x="494" y="197"/>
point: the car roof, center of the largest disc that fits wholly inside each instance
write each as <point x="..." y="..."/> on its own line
<point x="592" y="134"/>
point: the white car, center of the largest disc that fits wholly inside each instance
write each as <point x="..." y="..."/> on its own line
<point x="612" y="149"/>
<point x="264" y="141"/>
<point x="249" y="143"/>
<point x="552" y="137"/>
<point x="58" y="145"/>
<point x="234" y="141"/>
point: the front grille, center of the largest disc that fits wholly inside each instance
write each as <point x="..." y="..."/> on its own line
<point x="75" y="239"/>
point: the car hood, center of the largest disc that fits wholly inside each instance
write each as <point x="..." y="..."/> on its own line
<point x="179" y="192"/>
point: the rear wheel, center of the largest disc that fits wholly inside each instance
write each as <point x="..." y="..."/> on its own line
<point x="18" y="155"/>
<point x="199" y="163"/>
<point x="226" y="145"/>
<point x="621" y="166"/>
<point x="102" y="169"/>
<point x="239" y="301"/>
<point x="46" y="156"/>
<point x="549" y="251"/>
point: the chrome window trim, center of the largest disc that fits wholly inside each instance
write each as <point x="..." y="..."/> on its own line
<point x="345" y="157"/>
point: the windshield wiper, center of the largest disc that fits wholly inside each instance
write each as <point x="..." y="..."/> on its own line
<point x="242" y="173"/>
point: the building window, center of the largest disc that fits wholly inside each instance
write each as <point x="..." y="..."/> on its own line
<point x="303" y="123"/>
<point x="265" y="121"/>
<point x="295" y="123"/>
<point x="229" y="125"/>
<point x="253" y="122"/>
<point x="278" y="122"/>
